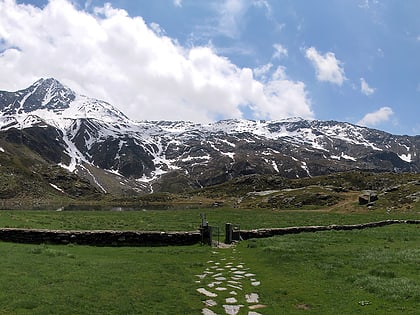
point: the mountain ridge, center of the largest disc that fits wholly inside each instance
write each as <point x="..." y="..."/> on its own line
<point x="98" y="142"/>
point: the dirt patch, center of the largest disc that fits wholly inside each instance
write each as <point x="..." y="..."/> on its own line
<point x="303" y="306"/>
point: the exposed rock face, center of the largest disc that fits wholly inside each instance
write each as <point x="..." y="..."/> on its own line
<point x="368" y="198"/>
<point x="93" y="139"/>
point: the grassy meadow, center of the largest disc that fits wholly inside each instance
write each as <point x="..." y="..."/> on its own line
<point x="189" y="219"/>
<point x="372" y="271"/>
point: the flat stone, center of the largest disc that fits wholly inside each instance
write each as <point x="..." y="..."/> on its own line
<point x="249" y="275"/>
<point x="239" y="272"/>
<point x="231" y="300"/>
<point x="232" y="309"/>
<point x="252" y="298"/>
<point x="255" y="283"/>
<point x="221" y="289"/>
<point x="256" y="306"/>
<point x="237" y="277"/>
<point x="212" y="284"/>
<point x="206" y="311"/>
<point x="210" y="303"/>
<point x="235" y="286"/>
<point x="206" y="293"/>
<point x="220" y="278"/>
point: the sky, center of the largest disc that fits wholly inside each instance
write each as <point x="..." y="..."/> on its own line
<point x="204" y="60"/>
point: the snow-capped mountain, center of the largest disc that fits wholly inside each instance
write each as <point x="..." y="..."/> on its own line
<point x="96" y="141"/>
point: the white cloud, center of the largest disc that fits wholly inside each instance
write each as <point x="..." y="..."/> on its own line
<point x="365" y="88"/>
<point x="230" y="13"/>
<point x="279" y="51"/>
<point x="327" y="67"/>
<point x="230" y="20"/>
<point x="134" y="66"/>
<point x="372" y="119"/>
<point x="178" y="3"/>
<point x="261" y="72"/>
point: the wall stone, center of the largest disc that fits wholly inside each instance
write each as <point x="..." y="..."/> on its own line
<point x="99" y="238"/>
<point x="156" y="238"/>
<point x="260" y="233"/>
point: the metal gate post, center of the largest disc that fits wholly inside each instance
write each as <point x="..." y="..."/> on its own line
<point x="228" y="233"/>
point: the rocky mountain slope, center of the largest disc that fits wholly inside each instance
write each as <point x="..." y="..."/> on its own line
<point x="93" y="141"/>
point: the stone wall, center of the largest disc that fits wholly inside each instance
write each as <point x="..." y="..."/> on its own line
<point x="260" y="233"/>
<point x="156" y="238"/>
<point x="99" y="238"/>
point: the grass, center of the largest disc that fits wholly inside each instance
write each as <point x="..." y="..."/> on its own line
<point x="189" y="219"/>
<point x="86" y="280"/>
<point x="372" y="271"/>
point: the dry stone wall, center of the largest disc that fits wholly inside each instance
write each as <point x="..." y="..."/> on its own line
<point x="156" y="238"/>
<point x="260" y="233"/>
<point x="100" y="238"/>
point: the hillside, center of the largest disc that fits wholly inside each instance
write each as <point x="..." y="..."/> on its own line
<point x="56" y="143"/>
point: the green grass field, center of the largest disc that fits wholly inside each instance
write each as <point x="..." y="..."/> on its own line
<point x="372" y="271"/>
<point x="189" y="219"/>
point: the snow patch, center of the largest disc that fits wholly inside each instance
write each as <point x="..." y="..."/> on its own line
<point x="274" y="164"/>
<point x="406" y="157"/>
<point x="343" y="156"/>
<point x="56" y="187"/>
<point x="305" y="168"/>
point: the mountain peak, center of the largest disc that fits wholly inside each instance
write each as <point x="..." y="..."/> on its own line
<point x="47" y="94"/>
<point x="48" y="82"/>
<point x="48" y="98"/>
<point x="93" y="136"/>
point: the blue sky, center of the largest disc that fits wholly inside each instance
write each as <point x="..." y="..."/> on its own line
<point x="345" y="60"/>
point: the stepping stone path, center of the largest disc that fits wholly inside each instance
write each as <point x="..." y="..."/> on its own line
<point x="224" y="286"/>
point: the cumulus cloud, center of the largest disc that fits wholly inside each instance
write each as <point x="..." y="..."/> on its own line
<point x="279" y="51"/>
<point x="136" y="67"/>
<point x="372" y="119"/>
<point x="178" y="3"/>
<point x="365" y="88"/>
<point x="327" y="67"/>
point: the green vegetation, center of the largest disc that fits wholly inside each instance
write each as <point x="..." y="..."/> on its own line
<point x="39" y="279"/>
<point x="189" y="219"/>
<point x="373" y="271"/>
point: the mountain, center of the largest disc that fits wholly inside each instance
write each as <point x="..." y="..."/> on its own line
<point x="97" y="143"/>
